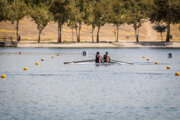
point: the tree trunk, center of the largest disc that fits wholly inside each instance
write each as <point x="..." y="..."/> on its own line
<point x="136" y="35"/>
<point x="168" y="33"/>
<point x="72" y="34"/>
<point x="98" y="35"/>
<point x="17" y="29"/>
<point x="78" y="40"/>
<point x="39" y="38"/>
<point x="137" y="38"/>
<point x="93" y="33"/>
<point x="117" y="37"/>
<point x="59" y="33"/>
<point x="161" y="37"/>
<point x="76" y="33"/>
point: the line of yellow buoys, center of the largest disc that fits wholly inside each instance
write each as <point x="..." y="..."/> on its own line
<point x="168" y="67"/>
<point x="3" y="76"/>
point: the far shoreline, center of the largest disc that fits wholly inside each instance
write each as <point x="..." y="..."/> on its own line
<point x="146" y="44"/>
<point x="106" y="44"/>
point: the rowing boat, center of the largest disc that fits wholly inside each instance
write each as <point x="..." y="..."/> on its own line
<point x="93" y="62"/>
<point x="106" y="63"/>
<point x="97" y="64"/>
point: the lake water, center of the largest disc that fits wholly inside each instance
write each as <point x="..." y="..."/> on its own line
<point x="52" y="90"/>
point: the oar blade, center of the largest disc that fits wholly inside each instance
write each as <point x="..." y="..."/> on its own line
<point x="68" y="62"/>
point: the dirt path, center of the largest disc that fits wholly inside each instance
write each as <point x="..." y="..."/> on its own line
<point x="103" y="45"/>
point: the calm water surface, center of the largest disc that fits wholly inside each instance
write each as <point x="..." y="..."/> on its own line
<point x="52" y="90"/>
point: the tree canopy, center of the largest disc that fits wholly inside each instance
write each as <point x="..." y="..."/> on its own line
<point x="165" y="11"/>
<point x="117" y="14"/>
<point x="137" y="13"/>
<point x="59" y="10"/>
<point x="4" y="10"/>
<point x="101" y="15"/>
<point x="41" y="17"/>
<point x="18" y="11"/>
<point x="96" y="13"/>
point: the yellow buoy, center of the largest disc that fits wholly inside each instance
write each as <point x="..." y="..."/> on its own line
<point x="52" y="56"/>
<point x="25" y="68"/>
<point x="37" y="63"/>
<point x="168" y="67"/>
<point x="177" y="74"/>
<point x="156" y="62"/>
<point x="42" y="59"/>
<point x="143" y="56"/>
<point x="147" y="59"/>
<point x="3" y="76"/>
<point x="58" y="54"/>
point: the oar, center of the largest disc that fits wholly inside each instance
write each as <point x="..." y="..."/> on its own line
<point x="122" y="62"/>
<point x="79" y="61"/>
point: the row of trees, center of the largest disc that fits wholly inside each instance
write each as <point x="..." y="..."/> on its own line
<point x="95" y="13"/>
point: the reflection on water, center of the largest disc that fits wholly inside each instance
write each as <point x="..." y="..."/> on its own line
<point x="52" y="90"/>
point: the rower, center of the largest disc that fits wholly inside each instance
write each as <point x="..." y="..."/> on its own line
<point x="106" y="58"/>
<point x="98" y="58"/>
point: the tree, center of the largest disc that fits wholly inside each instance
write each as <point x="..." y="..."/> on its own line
<point x="4" y="10"/>
<point x="73" y="17"/>
<point x="165" y="11"/>
<point x="76" y="15"/>
<point x="18" y="12"/>
<point x="89" y="18"/>
<point x="117" y="15"/>
<point x="137" y="13"/>
<point x="72" y="25"/>
<point x="41" y="17"/>
<point x="80" y="16"/>
<point x="101" y="13"/>
<point x="39" y="3"/>
<point x="160" y="28"/>
<point x="59" y="10"/>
